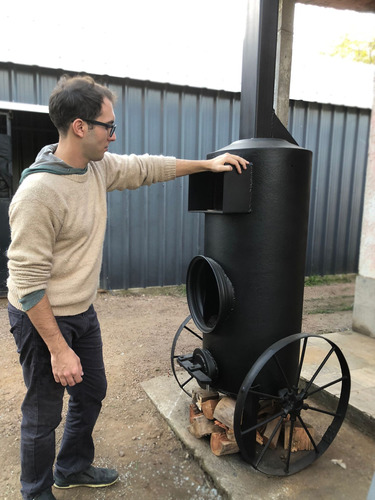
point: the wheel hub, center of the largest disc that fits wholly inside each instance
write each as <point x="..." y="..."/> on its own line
<point x="292" y="401"/>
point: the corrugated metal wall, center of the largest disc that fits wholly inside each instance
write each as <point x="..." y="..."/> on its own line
<point x="151" y="237"/>
<point x="338" y="137"/>
<point x="155" y="239"/>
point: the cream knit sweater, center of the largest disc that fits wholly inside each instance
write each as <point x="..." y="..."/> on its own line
<point x="58" y="225"/>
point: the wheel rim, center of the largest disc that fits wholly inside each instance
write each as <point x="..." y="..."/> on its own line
<point x="183" y="343"/>
<point x="296" y="399"/>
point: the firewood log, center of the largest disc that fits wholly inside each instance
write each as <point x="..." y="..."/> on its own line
<point x="224" y="411"/>
<point x="300" y="439"/>
<point x="221" y="445"/>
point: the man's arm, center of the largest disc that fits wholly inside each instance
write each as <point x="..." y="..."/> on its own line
<point x="66" y="365"/>
<point x="222" y="163"/>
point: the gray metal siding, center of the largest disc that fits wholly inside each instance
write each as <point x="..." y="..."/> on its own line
<point x="151" y="237"/>
<point x="338" y="137"/>
<point x="155" y="239"/>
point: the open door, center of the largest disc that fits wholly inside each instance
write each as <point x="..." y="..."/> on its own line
<point x="5" y="197"/>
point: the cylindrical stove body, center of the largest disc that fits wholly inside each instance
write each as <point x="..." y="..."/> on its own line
<point x="246" y="292"/>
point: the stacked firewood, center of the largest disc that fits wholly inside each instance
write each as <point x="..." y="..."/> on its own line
<point x="212" y="415"/>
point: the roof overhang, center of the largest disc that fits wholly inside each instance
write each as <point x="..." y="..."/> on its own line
<point x="356" y="5"/>
<point x="23" y="106"/>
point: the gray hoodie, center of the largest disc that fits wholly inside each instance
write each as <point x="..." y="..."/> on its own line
<point x="47" y="162"/>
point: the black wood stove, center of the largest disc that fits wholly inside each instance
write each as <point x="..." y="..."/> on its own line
<point x="245" y="294"/>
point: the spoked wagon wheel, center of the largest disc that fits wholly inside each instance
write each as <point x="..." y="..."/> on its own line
<point x="185" y="341"/>
<point x="282" y="420"/>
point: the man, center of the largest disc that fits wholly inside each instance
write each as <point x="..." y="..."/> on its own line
<point x="57" y="219"/>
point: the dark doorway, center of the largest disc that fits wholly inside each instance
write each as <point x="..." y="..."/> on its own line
<point x="22" y="135"/>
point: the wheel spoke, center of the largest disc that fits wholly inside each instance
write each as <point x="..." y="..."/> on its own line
<point x="282" y="371"/>
<point x="263" y="395"/>
<point x="301" y="361"/>
<point x="323" y="411"/>
<point x="318" y="370"/>
<point x="193" y="333"/>
<point x="265" y="448"/>
<point x="186" y="382"/>
<point x="260" y="424"/>
<point x="308" y="433"/>
<point x="325" y="386"/>
<point x="292" y="423"/>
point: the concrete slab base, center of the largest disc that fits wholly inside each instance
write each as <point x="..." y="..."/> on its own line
<point x="232" y="475"/>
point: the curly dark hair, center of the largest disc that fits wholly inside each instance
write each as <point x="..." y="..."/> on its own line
<point x="76" y="97"/>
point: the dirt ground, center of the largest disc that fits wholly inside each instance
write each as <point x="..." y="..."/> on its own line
<point x="138" y="330"/>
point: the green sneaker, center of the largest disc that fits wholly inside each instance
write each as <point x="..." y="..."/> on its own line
<point x="93" y="477"/>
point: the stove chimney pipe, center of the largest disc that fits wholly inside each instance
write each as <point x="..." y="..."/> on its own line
<point x="257" y="116"/>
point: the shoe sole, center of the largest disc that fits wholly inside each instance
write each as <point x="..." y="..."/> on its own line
<point x="86" y="485"/>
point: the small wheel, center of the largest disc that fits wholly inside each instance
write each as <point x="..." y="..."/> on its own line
<point x="185" y="342"/>
<point x="282" y="421"/>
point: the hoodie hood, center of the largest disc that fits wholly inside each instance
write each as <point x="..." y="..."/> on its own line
<point x="46" y="161"/>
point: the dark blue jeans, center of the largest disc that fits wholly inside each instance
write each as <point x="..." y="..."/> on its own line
<point x="42" y="406"/>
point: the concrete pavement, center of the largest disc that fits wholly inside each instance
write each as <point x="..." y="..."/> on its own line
<point x="359" y="352"/>
<point x="353" y="448"/>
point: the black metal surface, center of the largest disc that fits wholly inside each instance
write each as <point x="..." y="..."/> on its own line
<point x="257" y="116"/>
<point x="258" y="69"/>
<point x="221" y="193"/>
<point x="205" y="359"/>
<point x="201" y="365"/>
<point x="210" y="293"/>
<point x="293" y="403"/>
<point x="195" y="369"/>
<point x="262" y="253"/>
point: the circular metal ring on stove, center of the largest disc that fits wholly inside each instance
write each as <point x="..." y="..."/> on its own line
<point x="210" y="293"/>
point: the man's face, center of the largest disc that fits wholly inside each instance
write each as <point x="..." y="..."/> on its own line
<point x="97" y="139"/>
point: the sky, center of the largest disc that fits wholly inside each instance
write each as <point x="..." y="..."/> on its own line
<point x="196" y="42"/>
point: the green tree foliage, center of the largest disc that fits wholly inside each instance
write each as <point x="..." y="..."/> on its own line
<point x="357" y="50"/>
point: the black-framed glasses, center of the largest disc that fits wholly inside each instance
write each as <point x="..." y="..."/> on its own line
<point x="110" y="128"/>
